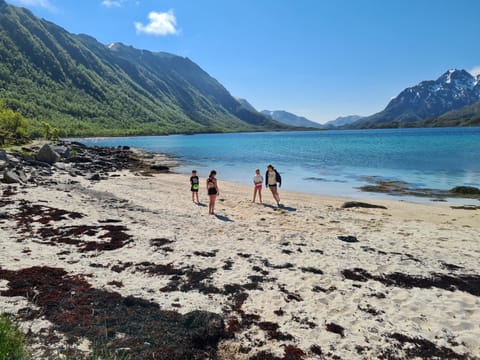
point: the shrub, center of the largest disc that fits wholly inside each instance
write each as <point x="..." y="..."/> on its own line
<point x="12" y="342"/>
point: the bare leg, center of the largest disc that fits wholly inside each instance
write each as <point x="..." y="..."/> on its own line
<point x="214" y="197"/>
<point x="260" y="195"/>
<point x="275" y="194"/>
<point x="254" y="194"/>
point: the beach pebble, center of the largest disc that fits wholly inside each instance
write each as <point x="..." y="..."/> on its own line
<point x="349" y="238"/>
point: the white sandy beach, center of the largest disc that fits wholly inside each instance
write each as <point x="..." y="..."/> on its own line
<point x="292" y="254"/>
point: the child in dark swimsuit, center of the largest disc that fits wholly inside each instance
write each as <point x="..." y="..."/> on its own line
<point x="212" y="190"/>
<point x="194" y="185"/>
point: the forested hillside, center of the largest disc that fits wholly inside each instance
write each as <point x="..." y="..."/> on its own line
<point x="83" y="87"/>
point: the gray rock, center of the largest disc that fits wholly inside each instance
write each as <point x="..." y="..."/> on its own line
<point x="28" y="157"/>
<point x="348" y="238"/>
<point x="47" y="154"/>
<point x="204" y="327"/>
<point x="3" y="155"/>
<point x="14" y="176"/>
<point x="95" y="177"/>
<point x="63" y="151"/>
<point x="80" y="159"/>
<point x="13" y="160"/>
<point x="159" y="167"/>
<point x="61" y="166"/>
<point x="466" y="207"/>
<point x="465" y="190"/>
<point x="3" y="164"/>
<point x="78" y="145"/>
<point x="353" y="204"/>
<point x="37" y="163"/>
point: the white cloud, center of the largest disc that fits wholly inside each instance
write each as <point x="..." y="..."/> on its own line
<point x="113" y="3"/>
<point x="475" y="71"/>
<point x="160" y="24"/>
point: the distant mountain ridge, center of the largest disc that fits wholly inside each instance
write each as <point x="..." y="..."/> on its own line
<point x="84" y="87"/>
<point x="342" y="121"/>
<point x="288" y="118"/>
<point x="246" y="104"/>
<point x="454" y="90"/>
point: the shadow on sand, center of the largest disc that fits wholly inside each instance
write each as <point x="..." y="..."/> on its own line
<point x="223" y="218"/>
<point x="282" y="207"/>
<point x="202" y="204"/>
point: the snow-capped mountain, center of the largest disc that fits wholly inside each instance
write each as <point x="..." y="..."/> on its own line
<point x="453" y="90"/>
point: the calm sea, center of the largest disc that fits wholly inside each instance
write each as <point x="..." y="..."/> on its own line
<point x="327" y="162"/>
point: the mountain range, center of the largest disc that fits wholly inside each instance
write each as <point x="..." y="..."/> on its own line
<point x="288" y="118"/>
<point x="84" y="87"/>
<point x="451" y="100"/>
<point x="342" y="121"/>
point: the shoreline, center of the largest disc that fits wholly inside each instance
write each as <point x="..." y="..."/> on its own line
<point x="354" y="182"/>
<point x="309" y="280"/>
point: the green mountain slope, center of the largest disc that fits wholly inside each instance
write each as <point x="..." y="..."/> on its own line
<point x="466" y="116"/>
<point x="86" y="88"/>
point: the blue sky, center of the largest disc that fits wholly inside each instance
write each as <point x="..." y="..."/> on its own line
<point x="316" y="58"/>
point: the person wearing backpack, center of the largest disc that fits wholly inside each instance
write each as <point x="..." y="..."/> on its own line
<point x="272" y="178"/>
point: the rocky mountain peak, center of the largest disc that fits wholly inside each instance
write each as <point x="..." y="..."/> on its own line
<point x="457" y="78"/>
<point x="453" y="90"/>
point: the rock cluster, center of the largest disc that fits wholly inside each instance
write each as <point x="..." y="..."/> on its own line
<point x="36" y="164"/>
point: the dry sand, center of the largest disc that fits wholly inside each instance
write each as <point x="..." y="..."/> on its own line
<point x="303" y="291"/>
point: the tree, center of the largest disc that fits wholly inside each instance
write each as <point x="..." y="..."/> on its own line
<point x="50" y="132"/>
<point x="13" y="127"/>
<point x="47" y="130"/>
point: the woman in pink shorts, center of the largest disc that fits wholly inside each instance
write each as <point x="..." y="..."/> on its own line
<point x="257" y="182"/>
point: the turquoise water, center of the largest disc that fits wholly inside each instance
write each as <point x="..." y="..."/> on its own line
<point x="327" y="162"/>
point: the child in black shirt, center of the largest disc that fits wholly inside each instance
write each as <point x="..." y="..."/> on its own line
<point x="194" y="182"/>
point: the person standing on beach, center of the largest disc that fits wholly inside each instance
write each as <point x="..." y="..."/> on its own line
<point x="194" y="185"/>
<point x="213" y="192"/>
<point x="272" y="177"/>
<point x="258" y="184"/>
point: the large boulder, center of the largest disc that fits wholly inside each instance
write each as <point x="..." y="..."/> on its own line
<point x="3" y="164"/>
<point x="204" y="328"/>
<point x="465" y="190"/>
<point x="62" y="150"/>
<point x="14" y="176"/>
<point x="47" y="154"/>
